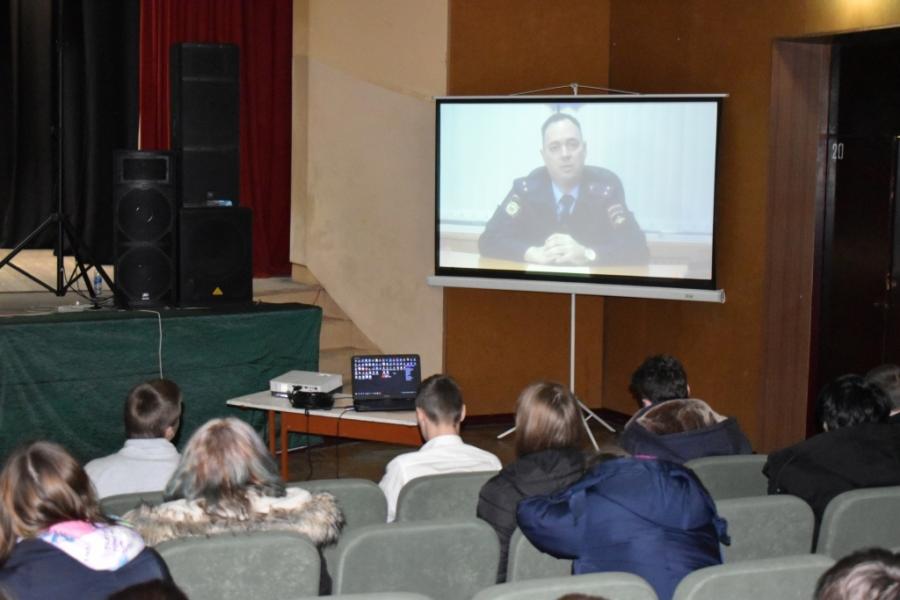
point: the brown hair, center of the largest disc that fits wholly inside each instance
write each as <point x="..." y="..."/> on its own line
<point x="547" y="416"/>
<point x="151" y="408"/>
<point x="223" y="460"/>
<point x="42" y="485"/>
<point x="439" y="396"/>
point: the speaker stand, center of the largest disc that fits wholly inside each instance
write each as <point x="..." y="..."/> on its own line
<point x="83" y="258"/>
<point x="64" y="229"/>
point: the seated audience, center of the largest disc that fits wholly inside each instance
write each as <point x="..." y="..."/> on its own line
<point x="548" y="458"/>
<point x="440" y="412"/>
<point x="672" y="426"/>
<point x="858" y="448"/>
<point x="644" y="516"/>
<point x="887" y="377"/>
<point x="227" y="482"/>
<point x="55" y="541"/>
<point x="148" y="459"/>
<point x="872" y="574"/>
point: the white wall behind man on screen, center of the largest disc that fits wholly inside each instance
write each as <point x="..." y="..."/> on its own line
<point x="664" y="154"/>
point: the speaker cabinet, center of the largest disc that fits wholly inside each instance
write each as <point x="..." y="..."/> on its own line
<point x="145" y="212"/>
<point x="205" y="108"/>
<point x="215" y="257"/>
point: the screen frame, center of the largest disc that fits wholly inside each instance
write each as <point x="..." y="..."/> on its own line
<point x="619" y="285"/>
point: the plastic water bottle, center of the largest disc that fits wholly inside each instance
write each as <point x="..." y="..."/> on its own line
<point x="98" y="284"/>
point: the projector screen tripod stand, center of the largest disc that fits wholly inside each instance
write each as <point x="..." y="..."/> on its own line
<point x="586" y="413"/>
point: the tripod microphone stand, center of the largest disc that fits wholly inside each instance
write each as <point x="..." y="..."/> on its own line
<point x="59" y="220"/>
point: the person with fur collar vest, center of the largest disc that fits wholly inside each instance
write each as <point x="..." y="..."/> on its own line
<point x="671" y="425"/>
<point x="227" y="482"/>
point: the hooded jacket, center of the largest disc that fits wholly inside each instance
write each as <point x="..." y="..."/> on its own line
<point x="79" y="561"/>
<point x="534" y="474"/>
<point x="825" y="465"/>
<point x="649" y="517"/>
<point x="316" y="516"/>
<point x="681" y="430"/>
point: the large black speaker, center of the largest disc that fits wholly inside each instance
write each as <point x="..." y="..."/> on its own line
<point x="145" y="212"/>
<point x="215" y="256"/>
<point x="205" y="107"/>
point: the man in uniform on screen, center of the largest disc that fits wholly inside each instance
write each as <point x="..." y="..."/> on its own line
<point x="565" y="213"/>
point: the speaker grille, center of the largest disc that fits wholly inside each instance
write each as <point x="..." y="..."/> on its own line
<point x="215" y="264"/>
<point x="144" y="274"/>
<point x="144" y="214"/>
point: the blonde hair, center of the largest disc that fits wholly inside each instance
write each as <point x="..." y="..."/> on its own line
<point x="42" y="485"/>
<point x="547" y="416"/>
<point x="223" y="460"/>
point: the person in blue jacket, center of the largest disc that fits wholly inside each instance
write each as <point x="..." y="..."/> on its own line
<point x="649" y="517"/>
<point x="55" y="541"/>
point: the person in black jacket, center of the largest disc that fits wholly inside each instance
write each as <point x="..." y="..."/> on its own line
<point x="55" y="541"/>
<point x="857" y="449"/>
<point x="887" y="377"/>
<point x="549" y="458"/>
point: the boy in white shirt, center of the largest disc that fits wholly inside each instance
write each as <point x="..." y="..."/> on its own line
<point x="439" y="412"/>
<point x="148" y="459"/>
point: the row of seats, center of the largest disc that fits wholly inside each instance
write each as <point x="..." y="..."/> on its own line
<point x="760" y="527"/>
<point x="449" y="560"/>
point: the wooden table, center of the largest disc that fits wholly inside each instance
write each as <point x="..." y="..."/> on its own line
<point x="395" y="427"/>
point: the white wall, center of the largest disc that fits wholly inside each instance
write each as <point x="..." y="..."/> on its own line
<point x="363" y="219"/>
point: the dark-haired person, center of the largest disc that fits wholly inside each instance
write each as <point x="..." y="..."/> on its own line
<point x="872" y="574"/>
<point x="549" y="458"/>
<point x="440" y="412"/>
<point x="857" y="449"/>
<point x="887" y="377"/>
<point x="649" y="517"/>
<point x="670" y="424"/>
<point x="148" y="459"/>
<point x="565" y="213"/>
<point x="55" y="541"/>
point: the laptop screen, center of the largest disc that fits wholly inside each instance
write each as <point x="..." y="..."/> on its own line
<point x="385" y="376"/>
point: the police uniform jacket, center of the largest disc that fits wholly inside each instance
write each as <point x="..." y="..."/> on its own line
<point x="600" y="220"/>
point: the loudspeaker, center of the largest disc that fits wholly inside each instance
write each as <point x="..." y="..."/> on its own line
<point x="215" y="256"/>
<point x="205" y="109"/>
<point x="145" y="212"/>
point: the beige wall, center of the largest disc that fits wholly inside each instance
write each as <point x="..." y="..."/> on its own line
<point x="363" y="220"/>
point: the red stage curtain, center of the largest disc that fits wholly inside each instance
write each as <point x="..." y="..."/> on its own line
<point x="263" y="31"/>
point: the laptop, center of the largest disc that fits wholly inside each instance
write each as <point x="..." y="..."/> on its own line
<point x="385" y="381"/>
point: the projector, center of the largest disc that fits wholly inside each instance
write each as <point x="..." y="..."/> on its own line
<point x="305" y="381"/>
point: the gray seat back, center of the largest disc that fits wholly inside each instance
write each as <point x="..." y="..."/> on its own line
<point x="374" y="596"/>
<point x="785" y="578"/>
<point x="527" y="562"/>
<point x="734" y="476"/>
<point x="362" y="502"/>
<point x="118" y="505"/>
<point x="766" y="527"/>
<point x="860" y="519"/>
<point x="264" y="564"/>
<point x="446" y="496"/>
<point x="620" y="586"/>
<point x="449" y="559"/>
